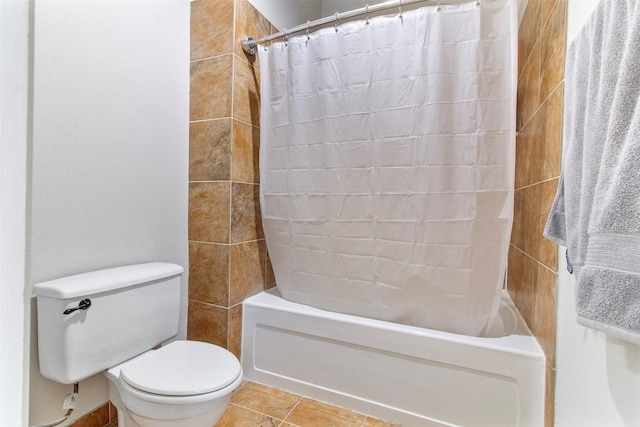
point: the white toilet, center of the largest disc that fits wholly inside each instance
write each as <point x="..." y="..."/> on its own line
<point x="112" y="320"/>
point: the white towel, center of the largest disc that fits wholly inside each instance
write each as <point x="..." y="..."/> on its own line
<point x="596" y="213"/>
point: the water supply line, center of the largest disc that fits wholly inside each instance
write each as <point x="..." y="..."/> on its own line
<point x="69" y="404"/>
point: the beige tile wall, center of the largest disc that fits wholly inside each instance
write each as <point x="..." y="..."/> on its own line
<point x="227" y="251"/>
<point x="532" y="258"/>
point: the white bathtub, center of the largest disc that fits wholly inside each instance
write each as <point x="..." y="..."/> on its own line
<point x="404" y="374"/>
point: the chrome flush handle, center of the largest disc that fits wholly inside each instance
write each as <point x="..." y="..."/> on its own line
<point x="84" y="304"/>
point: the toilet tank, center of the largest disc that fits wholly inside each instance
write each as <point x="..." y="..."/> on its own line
<point x="132" y="309"/>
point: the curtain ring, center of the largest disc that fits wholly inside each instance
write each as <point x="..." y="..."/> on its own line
<point x="366" y="11"/>
<point x="336" y="22"/>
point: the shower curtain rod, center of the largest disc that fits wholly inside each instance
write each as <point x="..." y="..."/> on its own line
<point x="250" y="46"/>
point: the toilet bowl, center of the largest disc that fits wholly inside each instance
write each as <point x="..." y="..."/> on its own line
<point x="185" y="383"/>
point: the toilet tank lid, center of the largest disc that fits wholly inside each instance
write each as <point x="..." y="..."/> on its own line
<point x="95" y="282"/>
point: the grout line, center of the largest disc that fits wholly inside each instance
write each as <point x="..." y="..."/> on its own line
<point x="245" y="182"/>
<point x="210" y="57"/>
<point x="534" y="259"/>
<point x="543" y="102"/>
<point x="202" y="242"/>
<point x="230" y="206"/>
<point x="246" y="123"/>
<point x="543" y="25"/>
<point x="209" y="304"/>
<point x="235" y="305"/>
<point x="300" y="398"/>
<point x="292" y="409"/>
<point x="248" y="241"/>
<point x="526" y="62"/>
<point x="247" y="62"/>
<point x="229" y="243"/>
<point x="209" y="120"/>
<point x="225" y="118"/>
<point x="552" y="91"/>
<point x="536" y="183"/>
<point x="233" y="77"/>
<point x="257" y="412"/>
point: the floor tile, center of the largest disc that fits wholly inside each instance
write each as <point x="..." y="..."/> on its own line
<point x="236" y="416"/>
<point x="257" y="405"/>
<point x="267" y="400"/>
<point x="373" y="422"/>
<point x="310" y="413"/>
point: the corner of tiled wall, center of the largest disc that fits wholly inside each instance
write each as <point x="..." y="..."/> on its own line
<point x="532" y="258"/>
<point x="228" y="259"/>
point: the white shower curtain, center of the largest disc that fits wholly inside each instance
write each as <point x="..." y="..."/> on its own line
<point x="387" y="162"/>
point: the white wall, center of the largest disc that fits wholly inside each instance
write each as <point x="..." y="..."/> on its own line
<point x="287" y="13"/>
<point x="330" y="7"/>
<point x="14" y="136"/>
<point x="110" y="151"/>
<point x="598" y="377"/>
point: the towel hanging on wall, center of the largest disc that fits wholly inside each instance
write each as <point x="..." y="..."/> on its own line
<point x="596" y="213"/>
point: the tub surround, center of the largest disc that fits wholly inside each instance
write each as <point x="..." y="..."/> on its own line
<point x="532" y="258"/>
<point x="227" y="251"/>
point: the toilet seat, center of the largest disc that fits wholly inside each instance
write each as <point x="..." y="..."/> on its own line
<point x="182" y="369"/>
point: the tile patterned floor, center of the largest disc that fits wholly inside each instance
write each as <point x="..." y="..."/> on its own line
<point x="257" y="405"/>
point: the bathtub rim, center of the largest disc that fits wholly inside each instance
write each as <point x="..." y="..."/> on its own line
<point x="521" y="341"/>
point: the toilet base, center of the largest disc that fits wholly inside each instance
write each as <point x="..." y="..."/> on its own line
<point x="208" y="418"/>
<point x="131" y="411"/>
<point x="124" y="420"/>
<point x="128" y="418"/>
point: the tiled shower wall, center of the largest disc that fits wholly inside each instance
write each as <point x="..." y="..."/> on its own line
<point x="228" y="259"/>
<point x="532" y="258"/>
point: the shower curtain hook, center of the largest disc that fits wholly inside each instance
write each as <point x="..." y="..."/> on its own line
<point x="308" y="25"/>
<point x="336" y="22"/>
<point x="366" y="11"/>
<point x="400" y="10"/>
<point x="439" y="6"/>
<point x="477" y="2"/>
<point x="286" y="39"/>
